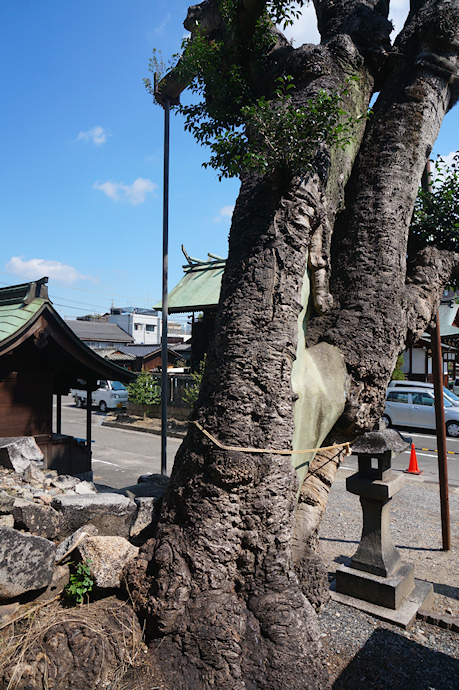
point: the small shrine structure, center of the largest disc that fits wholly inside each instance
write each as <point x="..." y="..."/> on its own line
<point x="41" y="357"/>
<point x="198" y="291"/>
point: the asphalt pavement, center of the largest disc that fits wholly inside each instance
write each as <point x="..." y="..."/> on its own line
<point x="119" y="456"/>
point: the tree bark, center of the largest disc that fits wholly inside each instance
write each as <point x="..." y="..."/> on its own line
<point x="217" y="585"/>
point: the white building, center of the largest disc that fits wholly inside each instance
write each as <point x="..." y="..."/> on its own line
<point x="144" y="325"/>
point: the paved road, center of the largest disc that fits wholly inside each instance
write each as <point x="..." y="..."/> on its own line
<point x="119" y="457"/>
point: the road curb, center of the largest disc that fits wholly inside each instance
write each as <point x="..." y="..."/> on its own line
<point x="440" y="620"/>
<point x="129" y="427"/>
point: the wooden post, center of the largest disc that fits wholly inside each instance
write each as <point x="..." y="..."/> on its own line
<point x="437" y="370"/>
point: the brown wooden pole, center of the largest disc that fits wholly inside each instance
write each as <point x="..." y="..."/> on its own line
<point x="437" y="370"/>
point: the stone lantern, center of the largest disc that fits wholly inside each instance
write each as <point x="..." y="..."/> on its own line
<point x="375" y="579"/>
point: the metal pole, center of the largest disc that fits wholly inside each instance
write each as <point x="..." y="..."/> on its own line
<point x="58" y="413"/>
<point x="437" y="370"/>
<point x="164" y="391"/>
<point x="88" y="425"/>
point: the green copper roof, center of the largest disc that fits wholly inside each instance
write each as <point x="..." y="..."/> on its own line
<point x="19" y="304"/>
<point x="199" y="288"/>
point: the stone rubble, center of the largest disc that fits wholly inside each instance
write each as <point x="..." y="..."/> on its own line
<point x="47" y="520"/>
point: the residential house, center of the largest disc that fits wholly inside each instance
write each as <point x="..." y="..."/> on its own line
<point x="100" y="335"/>
<point x="144" y="325"/>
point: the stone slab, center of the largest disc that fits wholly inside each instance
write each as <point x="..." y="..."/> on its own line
<point x="7" y="612"/>
<point x="111" y="513"/>
<point x="27" y="563"/>
<point x="379" y="489"/>
<point x="17" y="453"/>
<point x="59" y="582"/>
<point x="388" y="592"/>
<point x="38" y="519"/>
<point x="420" y="598"/>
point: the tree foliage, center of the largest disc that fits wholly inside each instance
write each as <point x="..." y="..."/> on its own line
<point x="247" y="116"/>
<point x="190" y="394"/>
<point x="145" y="390"/>
<point x="436" y="213"/>
<point x="435" y="220"/>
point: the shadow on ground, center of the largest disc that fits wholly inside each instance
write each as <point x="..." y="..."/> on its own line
<point x="389" y="660"/>
<point x="447" y="591"/>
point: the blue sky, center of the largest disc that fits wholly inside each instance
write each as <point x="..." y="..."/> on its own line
<point x="81" y="148"/>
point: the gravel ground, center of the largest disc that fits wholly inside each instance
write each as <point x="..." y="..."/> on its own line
<point x="363" y="652"/>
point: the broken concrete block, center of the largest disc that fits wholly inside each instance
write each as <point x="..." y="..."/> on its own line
<point x="85" y="488"/>
<point x="112" y="514"/>
<point x="107" y="556"/>
<point x="27" y="562"/>
<point x="145" y="514"/>
<point x="7" y="521"/>
<point x="6" y="502"/>
<point x="59" y="580"/>
<point x="66" y="547"/>
<point x="38" y="519"/>
<point x="33" y="473"/>
<point x="64" y="482"/>
<point x="17" y="453"/>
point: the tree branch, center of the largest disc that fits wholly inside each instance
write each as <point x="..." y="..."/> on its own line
<point x="431" y="270"/>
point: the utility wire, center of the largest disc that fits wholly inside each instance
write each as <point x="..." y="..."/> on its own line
<point x="68" y="287"/>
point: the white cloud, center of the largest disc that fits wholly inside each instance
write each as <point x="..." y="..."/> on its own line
<point x="161" y="28"/>
<point x="37" y="268"/>
<point x="96" y="135"/>
<point x="134" y="193"/>
<point x="449" y="158"/>
<point x="225" y="212"/>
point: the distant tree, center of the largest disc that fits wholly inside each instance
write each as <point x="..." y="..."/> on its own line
<point x="321" y="293"/>
<point x="435" y="220"/>
<point x="191" y="393"/>
<point x="145" y="390"/>
<point x="398" y="374"/>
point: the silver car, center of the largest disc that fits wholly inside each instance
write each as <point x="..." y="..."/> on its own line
<point x="451" y="395"/>
<point x="416" y="407"/>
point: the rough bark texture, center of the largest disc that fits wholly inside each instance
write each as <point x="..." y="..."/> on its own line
<point x="217" y="586"/>
<point x="61" y="648"/>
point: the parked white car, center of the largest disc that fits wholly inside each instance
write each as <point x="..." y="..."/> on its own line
<point x="456" y="386"/>
<point x="451" y="395"/>
<point x="110" y="395"/>
<point x="416" y="407"/>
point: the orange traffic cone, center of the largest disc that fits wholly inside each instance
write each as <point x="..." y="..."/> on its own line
<point x="413" y="466"/>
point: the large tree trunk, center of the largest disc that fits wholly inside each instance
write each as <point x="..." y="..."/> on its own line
<point x="217" y="585"/>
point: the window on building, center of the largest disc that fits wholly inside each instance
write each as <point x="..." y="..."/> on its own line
<point x="150" y="328"/>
